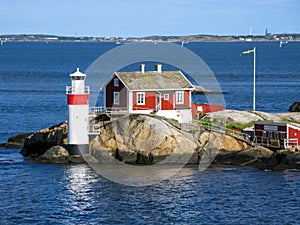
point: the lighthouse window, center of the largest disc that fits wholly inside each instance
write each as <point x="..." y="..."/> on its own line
<point x="116" y="98"/>
<point x="116" y="82"/>
<point x="78" y="78"/>
<point x="141" y="98"/>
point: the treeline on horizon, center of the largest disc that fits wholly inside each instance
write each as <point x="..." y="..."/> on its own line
<point x="44" y="37"/>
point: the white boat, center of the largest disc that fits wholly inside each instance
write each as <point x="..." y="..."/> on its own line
<point x="184" y="42"/>
<point x="282" y="42"/>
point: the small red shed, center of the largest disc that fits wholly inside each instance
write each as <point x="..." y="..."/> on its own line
<point x="200" y="109"/>
<point x="166" y="93"/>
<point x="276" y="134"/>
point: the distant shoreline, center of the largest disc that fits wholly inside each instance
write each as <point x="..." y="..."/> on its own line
<point x="184" y="39"/>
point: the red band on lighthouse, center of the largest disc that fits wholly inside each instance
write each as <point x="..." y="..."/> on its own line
<point x="78" y="99"/>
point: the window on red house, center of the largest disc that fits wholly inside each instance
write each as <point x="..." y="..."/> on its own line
<point x="166" y="96"/>
<point x="179" y="97"/>
<point x="116" y="98"/>
<point x="116" y="82"/>
<point x="141" y="98"/>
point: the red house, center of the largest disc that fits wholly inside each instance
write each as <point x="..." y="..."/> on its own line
<point x="166" y="93"/>
<point x="276" y="135"/>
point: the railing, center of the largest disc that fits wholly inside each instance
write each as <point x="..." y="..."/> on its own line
<point x="117" y="110"/>
<point x="94" y="128"/>
<point x="97" y="109"/>
<point x="267" y="142"/>
<point x="290" y="142"/>
<point x="103" y="109"/>
<point x="72" y="90"/>
<point x="222" y="130"/>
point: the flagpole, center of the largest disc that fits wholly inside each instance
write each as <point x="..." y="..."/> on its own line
<point x="254" y="69"/>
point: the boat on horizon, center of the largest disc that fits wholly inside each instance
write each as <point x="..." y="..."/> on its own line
<point x="282" y="42"/>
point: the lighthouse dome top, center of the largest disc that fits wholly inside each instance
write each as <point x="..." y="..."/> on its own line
<point x="77" y="75"/>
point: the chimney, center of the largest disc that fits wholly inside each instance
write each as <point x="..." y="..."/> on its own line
<point x="142" y="67"/>
<point x="158" y="68"/>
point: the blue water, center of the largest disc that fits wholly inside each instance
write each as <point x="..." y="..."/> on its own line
<point x="33" y="193"/>
<point x="32" y="96"/>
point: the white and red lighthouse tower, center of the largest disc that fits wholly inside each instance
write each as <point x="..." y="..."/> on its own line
<point x="78" y="113"/>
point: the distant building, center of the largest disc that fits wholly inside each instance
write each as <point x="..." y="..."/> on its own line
<point x="267" y="34"/>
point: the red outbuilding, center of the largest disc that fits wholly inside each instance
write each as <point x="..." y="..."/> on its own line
<point x="276" y="135"/>
<point x="201" y="109"/>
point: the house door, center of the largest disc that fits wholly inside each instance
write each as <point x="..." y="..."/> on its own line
<point x="158" y="102"/>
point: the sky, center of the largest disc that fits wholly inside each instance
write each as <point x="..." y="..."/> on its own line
<point x="138" y="18"/>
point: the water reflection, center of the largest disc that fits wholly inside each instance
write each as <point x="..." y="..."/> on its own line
<point x="75" y="194"/>
<point x="80" y="184"/>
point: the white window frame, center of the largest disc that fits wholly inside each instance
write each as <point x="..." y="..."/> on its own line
<point x="140" y="98"/>
<point x="179" y="99"/>
<point x="166" y="97"/>
<point x="116" y="82"/>
<point x="116" y="98"/>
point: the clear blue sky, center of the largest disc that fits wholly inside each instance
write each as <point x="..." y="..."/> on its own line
<point x="126" y="18"/>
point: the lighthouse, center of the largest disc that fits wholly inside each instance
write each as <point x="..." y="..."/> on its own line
<point x="78" y="113"/>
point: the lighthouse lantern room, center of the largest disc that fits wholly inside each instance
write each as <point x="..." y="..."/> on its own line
<point x="78" y="113"/>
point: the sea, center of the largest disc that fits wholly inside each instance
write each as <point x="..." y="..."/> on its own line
<point x="33" y="76"/>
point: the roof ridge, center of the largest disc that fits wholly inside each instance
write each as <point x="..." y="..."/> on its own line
<point x="151" y="80"/>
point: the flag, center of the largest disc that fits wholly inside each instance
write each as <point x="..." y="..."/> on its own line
<point x="248" y="51"/>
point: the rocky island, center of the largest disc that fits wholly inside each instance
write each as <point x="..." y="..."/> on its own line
<point x="144" y="139"/>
